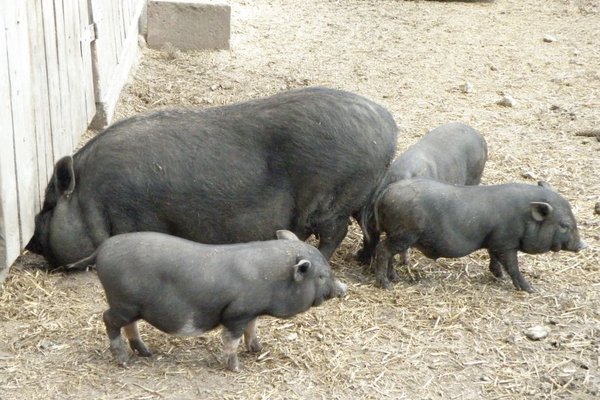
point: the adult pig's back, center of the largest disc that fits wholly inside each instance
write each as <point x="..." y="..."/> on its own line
<point x="304" y="160"/>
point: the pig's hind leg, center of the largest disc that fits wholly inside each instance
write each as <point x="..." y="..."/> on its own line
<point x="250" y="338"/>
<point x="114" y="322"/>
<point x="135" y="341"/>
<point x="384" y="262"/>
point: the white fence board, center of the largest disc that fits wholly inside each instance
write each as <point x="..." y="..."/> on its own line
<point x="39" y="85"/>
<point x="114" y="52"/>
<point x="22" y="115"/>
<point x="9" y="210"/>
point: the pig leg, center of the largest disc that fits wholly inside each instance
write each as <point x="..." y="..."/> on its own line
<point x="384" y="263"/>
<point x="495" y="266"/>
<point x="370" y="241"/>
<point x="250" y="338"/>
<point x="135" y="341"/>
<point x="113" y="325"/>
<point x="405" y="257"/>
<point x="231" y="341"/>
<point x="511" y="264"/>
<point x="331" y="235"/>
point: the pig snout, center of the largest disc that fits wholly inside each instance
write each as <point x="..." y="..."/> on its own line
<point x="580" y="246"/>
<point x="339" y="288"/>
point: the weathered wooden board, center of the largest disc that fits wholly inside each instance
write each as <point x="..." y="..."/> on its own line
<point x="19" y="62"/>
<point x="9" y="210"/>
<point x="114" y="52"/>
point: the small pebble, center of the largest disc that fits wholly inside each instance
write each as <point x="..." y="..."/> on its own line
<point x="549" y="38"/>
<point x="597" y="208"/>
<point x="507" y="101"/>
<point x="466" y="87"/>
<point x="537" y="332"/>
<point x="528" y="175"/>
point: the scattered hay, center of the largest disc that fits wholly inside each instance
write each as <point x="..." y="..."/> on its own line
<point x="448" y="329"/>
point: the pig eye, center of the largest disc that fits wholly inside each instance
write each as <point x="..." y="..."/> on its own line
<point x="564" y="227"/>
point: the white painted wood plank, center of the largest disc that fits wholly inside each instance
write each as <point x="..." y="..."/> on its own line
<point x="19" y="64"/>
<point x="87" y="76"/>
<point x="59" y="146"/>
<point x="62" y="138"/>
<point x="10" y="245"/>
<point x="113" y="76"/>
<point x="74" y="69"/>
<point x="39" y="85"/>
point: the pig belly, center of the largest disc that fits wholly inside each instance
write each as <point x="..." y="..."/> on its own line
<point x="443" y="247"/>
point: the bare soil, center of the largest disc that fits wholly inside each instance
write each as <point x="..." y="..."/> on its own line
<point x="449" y="330"/>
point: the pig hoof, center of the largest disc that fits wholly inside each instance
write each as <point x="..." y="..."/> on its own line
<point x="255" y="347"/>
<point x="232" y="363"/>
<point x="528" y="289"/>
<point x="121" y="357"/>
<point x="144" y="353"/>
<point x="393" y="276"/>
<point x="383" y="283"/>
<point x="497" y="272"/>
<point x="140" y="348"/>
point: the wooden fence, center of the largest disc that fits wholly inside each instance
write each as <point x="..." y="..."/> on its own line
<point x="62" y="65"/>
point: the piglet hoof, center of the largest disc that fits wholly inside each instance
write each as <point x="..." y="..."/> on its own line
<point x="255" y="346"/>
<point x="383" y="283"/>
<point x="394" y="276"/>
<point x="232" y="362"/>
<point x="496" y="270"/>
<point x="122" y="360"/>
<point x="527" y="288"/>
<point x="140" y="348"/>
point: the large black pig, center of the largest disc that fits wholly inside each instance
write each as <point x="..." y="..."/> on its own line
<point x="452" y="221"/>
<point x="453" y="153"/>
<point x="303" y="160"/>
<point x="187" y="288"/>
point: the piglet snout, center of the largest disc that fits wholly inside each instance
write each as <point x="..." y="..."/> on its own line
<point x="340" y="288"/>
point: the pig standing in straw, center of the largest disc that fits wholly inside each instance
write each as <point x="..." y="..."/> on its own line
<point x="187" y="288"/>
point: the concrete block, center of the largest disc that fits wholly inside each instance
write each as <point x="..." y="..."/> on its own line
<point x="188" y="24"/>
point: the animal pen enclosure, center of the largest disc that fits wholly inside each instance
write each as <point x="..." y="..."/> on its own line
<point x="62" y="67"/>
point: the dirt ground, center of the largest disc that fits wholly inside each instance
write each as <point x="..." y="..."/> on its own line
<point x="449" y="330"/>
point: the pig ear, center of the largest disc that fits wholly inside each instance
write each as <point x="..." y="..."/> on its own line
<point x="540" y="210"/>
<point x="64" y="176"/>
<point x="301" y="269"/>
<point x="283" y="234"/>
<point x="545" y="185"/>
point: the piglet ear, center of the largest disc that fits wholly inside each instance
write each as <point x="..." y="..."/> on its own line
<point x="301" y="269"/>
<point x="545" y="185"/>
<point x="540" y="210"/>
<point x="64" y="176"/>
<point x="283" y="234"/>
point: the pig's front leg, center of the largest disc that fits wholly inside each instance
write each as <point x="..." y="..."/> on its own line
<point x="231" y="342"/>
<point x="510" y="262"/>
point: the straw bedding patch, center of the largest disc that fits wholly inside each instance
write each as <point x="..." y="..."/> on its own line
<point x="448" y="329"/>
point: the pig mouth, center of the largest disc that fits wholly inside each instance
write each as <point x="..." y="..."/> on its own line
<point x="318" y="301"/>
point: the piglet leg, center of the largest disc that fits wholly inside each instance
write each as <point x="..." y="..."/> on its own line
<point x="250" y="338"/>
<point x="135" y="341"/>
<point x="113" y="330"/>
<point x="230" y="347"/>
<point x="511" y="263"/>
